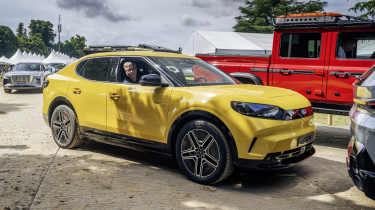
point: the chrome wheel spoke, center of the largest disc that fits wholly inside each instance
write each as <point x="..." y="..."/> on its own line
<point x="212" y="161"/>
<point x="193" y="139"/>
<point x="198" y="167"/>
<point x="189" y="154"/>
<point x="207" y="142"/>
<point x="60" y="134"/>
<point x="56" y="125"/>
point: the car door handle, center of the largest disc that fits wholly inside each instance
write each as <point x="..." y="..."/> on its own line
<point x="76" y="91"/>
<point x="114" y="96"/>
<point x="285" y="72"/>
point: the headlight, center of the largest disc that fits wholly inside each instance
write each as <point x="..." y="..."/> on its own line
<point x="36" y="79"/>
<point x="270" y="111"/>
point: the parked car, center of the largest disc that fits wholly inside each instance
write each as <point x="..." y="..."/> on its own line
<point x="23" y="76"/>
<point x="361" y="148"/>
<point x="179" y="105"/>
<point x="51" y="68"/>
<point x="318" y="55"/>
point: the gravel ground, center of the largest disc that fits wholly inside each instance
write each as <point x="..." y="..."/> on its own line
<point x="36" y="174"/>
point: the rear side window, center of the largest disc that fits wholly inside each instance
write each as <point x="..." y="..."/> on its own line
<point x="356" y="45"/>
<point x="99" y="69"/>
<point x="300" y="45"/>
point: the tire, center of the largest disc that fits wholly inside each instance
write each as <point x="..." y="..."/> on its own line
<point x="203" y="153"/>
<point x="7" y="90"/>
<point x="64" y="126"/>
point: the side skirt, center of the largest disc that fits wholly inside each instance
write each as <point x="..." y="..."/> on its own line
<point x="125" y="141"/>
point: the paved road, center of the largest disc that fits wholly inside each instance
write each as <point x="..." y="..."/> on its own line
<point x="35" y="174"/>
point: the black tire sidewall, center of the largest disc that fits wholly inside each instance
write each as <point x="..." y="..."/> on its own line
<point x="74" y="120"/>
<point x="223" y="148"/>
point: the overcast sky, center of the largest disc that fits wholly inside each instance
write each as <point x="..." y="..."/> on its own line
<point x="129" y="22"/>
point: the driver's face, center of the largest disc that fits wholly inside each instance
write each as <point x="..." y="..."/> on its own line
<point x="129" y="70"/>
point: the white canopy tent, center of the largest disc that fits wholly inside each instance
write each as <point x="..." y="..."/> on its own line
<point x="4" y="60"/>
<point x="228" y="43"/>
<point x="24" y="57"/>
<point x="56" y="57"/>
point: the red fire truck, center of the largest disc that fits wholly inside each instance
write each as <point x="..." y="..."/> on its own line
<point x="318" y="55"/>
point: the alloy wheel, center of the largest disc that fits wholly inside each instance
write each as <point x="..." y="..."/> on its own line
<point x="200" y="153"/>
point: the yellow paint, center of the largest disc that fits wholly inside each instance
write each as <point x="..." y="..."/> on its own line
<point x="149" y="112"/>
<point x="363" y="92"/>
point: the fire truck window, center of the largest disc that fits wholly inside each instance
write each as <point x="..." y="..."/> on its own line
<point x="356" y="45"/>
<point x="300" y="45"/>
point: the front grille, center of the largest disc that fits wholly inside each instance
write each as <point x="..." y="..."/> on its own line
<point x="279" y="156"/>
<point x="21" y="79"/>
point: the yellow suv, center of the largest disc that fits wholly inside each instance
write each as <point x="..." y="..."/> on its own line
<point x="179" y="105"/>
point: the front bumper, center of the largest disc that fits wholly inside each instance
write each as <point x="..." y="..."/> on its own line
<point x="361" y="150"/>
<point x="279" y="160"/>
<point x="22" y="86"/>
<point x="361" y="168"/>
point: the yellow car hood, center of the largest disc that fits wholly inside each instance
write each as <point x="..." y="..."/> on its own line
<point x="283" y="98"/>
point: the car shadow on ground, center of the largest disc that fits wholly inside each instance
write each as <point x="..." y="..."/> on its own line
<point x="32" y="91"/>
<point x="140" y="172"/>
<point x="332" y="137"/>
<point x="10" y="107"/>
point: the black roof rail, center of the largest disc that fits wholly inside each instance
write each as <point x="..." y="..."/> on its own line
<point x="114" y="48"/>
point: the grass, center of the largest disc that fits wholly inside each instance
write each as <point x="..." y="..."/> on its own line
<point x="337" y="120"/>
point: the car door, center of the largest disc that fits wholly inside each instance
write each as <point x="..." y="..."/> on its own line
<point x="344" y="70"/>
<point x="138" y="111"/>
<point x="88" y="93"/>
<point x="298" y="63"/>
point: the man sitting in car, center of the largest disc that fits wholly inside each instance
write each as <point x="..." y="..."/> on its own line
<point x="130" y="72"/>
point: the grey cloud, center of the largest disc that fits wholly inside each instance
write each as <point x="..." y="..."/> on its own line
<point x="218" y="8"/>
<point x="192" y="22"/>
<point x="93" y="8"/>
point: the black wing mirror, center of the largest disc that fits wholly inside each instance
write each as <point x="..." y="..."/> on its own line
<point x="151" y="80"/>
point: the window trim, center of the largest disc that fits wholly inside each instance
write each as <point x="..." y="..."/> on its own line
<point x="350" y="59"/>
<point x="289" y="50"/>
<point x="91" y="58"/>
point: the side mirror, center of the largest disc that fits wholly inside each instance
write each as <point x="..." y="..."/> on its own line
<point x="151" y="80"/>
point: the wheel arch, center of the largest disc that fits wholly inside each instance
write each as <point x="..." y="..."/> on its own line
<point x="57" y="102"/>
<point x="202" y="115"/>
<point x="247" y="77"/>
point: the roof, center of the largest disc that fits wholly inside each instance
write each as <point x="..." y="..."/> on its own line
<point x="139" y="53"/>
<point x="228" y="43"/>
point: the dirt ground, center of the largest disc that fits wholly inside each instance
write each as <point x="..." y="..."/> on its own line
<point x="36" y="174"/>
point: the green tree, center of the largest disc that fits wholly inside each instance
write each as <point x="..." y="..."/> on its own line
<point x="257" y="15"/>
<point x="45" y="29"/>
<point x="35" y="44"/>
<point x="8" y="42"/>
<point x="21" y="30"/>
<point x="73" y="47"/>
<point x="366" y="8"/>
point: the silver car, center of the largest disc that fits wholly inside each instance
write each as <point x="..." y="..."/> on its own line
<point x="23" y="76"/>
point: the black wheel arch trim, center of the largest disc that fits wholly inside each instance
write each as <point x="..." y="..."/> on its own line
<point x="250" y="76"/>
<point x="56" y="102"/>
<point x="202" y="115"/>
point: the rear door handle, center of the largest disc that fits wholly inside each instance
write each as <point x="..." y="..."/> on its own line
<point x="285" y="72"/>
<point x="76" y="91"/>
<point x="114" y="96"/>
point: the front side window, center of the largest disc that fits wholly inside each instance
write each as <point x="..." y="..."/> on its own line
<point x="356" y="45"/>
<point x="193" y="72"/>
<point x="300" y="45"/>
<point x="27" y="67"/>
<point x="99" y="69"/>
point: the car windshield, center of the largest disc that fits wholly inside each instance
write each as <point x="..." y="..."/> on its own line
<point x="193" y="72"/>
<point x="27" y="67"/>
<point x="370" y="78"/>
<point x="55" y="66"/>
